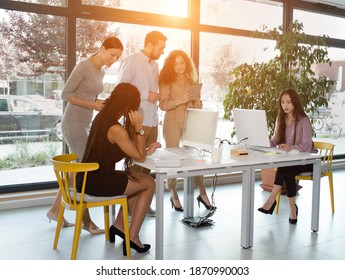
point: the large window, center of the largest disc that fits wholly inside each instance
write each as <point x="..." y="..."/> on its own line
<point x="227" y="53"/>
<point x="175" y="8"/>
<point x="318" y="24"/>
<point x="329" y="124"/>
<point x="34" y="56"/>
<point x="32" y="74"/>
<point x="241" y="14"/>
<point x="62" y="3"/>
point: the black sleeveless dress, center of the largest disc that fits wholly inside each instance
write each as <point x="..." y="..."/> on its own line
<point x="106" y="181"/>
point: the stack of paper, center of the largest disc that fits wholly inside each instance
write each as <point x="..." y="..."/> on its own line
<point x="164" y="158"/>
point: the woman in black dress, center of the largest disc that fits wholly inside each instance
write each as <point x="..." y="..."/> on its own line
<point x="117" y="134"/>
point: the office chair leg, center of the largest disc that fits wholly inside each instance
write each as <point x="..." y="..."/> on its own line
<point x="331" y="192"/>
<point x="58" y="226"/>
<point x="76" y="236"/>
<point x="278" y="202"/>
<point x="106" y="221"/>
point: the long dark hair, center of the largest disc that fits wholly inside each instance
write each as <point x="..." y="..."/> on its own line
<point x="124" y="97"/>
<point x="297" y="113"/>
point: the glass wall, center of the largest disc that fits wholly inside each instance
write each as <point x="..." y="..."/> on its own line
<point x="32" y="75"/>
<point x="175" y="8"/>
<point x="329" y="124"/>
<point x="247" y="15"/>
<point x="61" y="3"/>
<point x="215" y="66"/>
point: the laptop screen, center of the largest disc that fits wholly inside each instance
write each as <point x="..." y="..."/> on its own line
<point x="251" y="127"/>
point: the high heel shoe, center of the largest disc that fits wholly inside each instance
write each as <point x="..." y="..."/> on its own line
<point x="51" y="216"/>
<point x="96" y="230"/>
<point x="294" y="221"/>
<point x="114" y="231"/>
<point x="269" y="211"/>
<point x="178" y="209"/>
<point x="135" y="247"/>
<point x="208" y="207"/>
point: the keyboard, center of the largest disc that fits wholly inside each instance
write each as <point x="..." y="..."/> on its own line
<point x="164" y="158"/>
<point x="164" y="154"/>
<point x="269" y="150"/>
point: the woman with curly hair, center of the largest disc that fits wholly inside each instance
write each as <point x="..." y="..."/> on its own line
<point x="176" y="77"/>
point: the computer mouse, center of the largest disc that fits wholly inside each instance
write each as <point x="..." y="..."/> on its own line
<point x="293" y="152"/>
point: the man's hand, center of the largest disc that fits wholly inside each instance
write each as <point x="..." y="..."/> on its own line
<point x="153" y="97"/>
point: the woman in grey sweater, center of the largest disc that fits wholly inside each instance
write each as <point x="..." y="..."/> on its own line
<point x="80" y="92"/>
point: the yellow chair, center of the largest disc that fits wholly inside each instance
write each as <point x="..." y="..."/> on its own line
<point x="326" y="150"/>
<point x="66" y="170"/>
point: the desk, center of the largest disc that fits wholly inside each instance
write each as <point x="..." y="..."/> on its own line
<point x="191" y="167"/>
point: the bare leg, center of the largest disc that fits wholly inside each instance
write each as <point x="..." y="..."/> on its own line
<point x="56" y="204"/>
<point x="293" y="213"/>
<point x="140" y="195"/>
<point x="89" y="225"/>
<point x="199" y="182"/>
<point x="203" y="195"/>
<point x="171" y="185"/>
<point x="175" y="198"/>
<point x="53" y="212"/>
<point x="272" y="198"/>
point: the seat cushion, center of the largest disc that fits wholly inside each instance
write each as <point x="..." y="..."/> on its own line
<point x="92" y="198"/>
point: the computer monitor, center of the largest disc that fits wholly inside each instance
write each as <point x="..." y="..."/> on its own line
<point x="200" y="128"/>
<point x="251" y="127"/>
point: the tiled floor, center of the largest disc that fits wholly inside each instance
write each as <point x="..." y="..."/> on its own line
<point x="27" y="235"/>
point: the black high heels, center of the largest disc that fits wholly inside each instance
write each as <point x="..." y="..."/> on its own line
<point x="135" y="247"/>
<point x="114" y="231"/>
<point x="269" y="211"/>
<point x="294" y="221"/>
<point x="208" y="207"/>
<point x="178" y="209"/>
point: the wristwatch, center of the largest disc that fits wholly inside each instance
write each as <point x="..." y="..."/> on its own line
<point x="141" y="132"/>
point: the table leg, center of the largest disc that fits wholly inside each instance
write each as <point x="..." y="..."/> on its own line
<point x="159" y="216"/>
<point x="247" y="216"/>
<point x="188" y="197"/>
<point x="315" y="197"/>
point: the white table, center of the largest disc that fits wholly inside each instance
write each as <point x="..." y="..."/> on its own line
<point x="193" y="166"/>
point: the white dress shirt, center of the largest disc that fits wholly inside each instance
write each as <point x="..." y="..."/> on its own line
<point x="143" y="73"/>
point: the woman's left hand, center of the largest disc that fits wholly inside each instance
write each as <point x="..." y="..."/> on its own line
<point x="285" y="147"/>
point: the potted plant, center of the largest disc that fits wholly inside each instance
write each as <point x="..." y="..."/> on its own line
<point x="257" y="86"/>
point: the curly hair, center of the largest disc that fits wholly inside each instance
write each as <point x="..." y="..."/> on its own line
<point x="168" y="75"/>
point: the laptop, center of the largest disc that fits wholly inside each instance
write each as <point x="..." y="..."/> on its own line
<point x="251" y="130"/>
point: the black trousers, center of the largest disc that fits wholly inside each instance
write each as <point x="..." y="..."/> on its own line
<point x="287" y="175"/>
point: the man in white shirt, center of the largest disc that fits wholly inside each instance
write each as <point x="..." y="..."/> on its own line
<point x="141" y="70"/>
